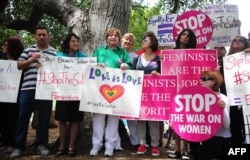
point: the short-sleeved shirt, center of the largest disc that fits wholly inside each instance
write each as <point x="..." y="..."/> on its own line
<point x="30" y="74"/>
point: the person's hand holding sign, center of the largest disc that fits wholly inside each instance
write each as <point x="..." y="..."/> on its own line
<point x="201" y="114"/>
<point x="34" y="57"/>
<point x="221" y="103"/>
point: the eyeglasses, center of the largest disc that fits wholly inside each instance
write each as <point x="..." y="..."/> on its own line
<point x="239" y="40"/>
<point x="206" y="79"/>
<point x="219" y="48"/>
<point x="144" y="40"/>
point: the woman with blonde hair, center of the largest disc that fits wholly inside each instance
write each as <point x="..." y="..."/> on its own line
<point x="127" y="42"/>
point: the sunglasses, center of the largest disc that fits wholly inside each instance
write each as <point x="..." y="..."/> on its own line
<point x="206" y="79"/>
<point x="239" y="40"/>
<point x="145" y="40"/>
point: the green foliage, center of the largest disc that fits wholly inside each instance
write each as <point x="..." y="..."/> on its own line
<point x="140" y="14"/>
<point x="5" y="33"/>
<point x="83" y="4"/>
<point x="139" y="20"/>
<point x="185" y="5"/>
<point x="56" y="29"/>
<point x="21" y="9"/>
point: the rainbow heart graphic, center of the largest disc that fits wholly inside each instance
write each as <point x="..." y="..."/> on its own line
<point x="111" y="93"/>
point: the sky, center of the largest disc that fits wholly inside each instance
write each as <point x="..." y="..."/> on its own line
<point x="244" y="12"/>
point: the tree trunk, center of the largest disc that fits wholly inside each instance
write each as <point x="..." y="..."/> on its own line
<point x="91" y="26"/>
<point x="103" y="14"/>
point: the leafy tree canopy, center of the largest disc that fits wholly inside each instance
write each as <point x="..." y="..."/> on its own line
<point x="13" y="12"/>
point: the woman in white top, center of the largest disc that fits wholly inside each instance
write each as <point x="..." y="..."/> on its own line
<point x="213" y="147"/>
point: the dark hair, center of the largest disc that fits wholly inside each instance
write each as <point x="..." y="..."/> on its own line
<point x="65" y="43"/>
<point x="14" y="47"/>
<point x="154" y="41"/>
<point x="41" y="28"/>
<point x="243" y="39"/>
<point x="221" y="48"/>
<point x="192" y="39"/>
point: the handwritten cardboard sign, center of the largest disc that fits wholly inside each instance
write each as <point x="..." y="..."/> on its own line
<point x="237" y="78"/>
<point x="112" y="91"/>
<point x="224" y="18"/>
<point x="61" y="78"/>
<point x="10" y="78"/>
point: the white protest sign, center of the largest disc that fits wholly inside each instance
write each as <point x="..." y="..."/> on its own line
<point x="162" y="26"/>
<point x="61" y="78"/>
<point x="10" y="78"/>
<point x="225" y="21"/>
<point x="237" y="78"/>
<point x="112" y="91"/>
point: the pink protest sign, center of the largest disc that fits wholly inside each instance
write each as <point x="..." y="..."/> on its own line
<point x="187" y="64"/>
<point x="199" y="22"/>
<point x="195" y="115"/>
<point x="157" y="94"/>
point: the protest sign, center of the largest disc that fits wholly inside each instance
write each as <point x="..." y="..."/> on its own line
<point x="10" y="78"/>
<point x="237" y="78"/>
<point x="61" y="78"/>
<point x="112" y="91"/>
<point x="225" y="18"/>
<point x="195" y="115"/>
<point x="187" y="64"/>
<point x="157" y="95"/>
<point x="162" y="26"/>
<point x="197" y="21"/>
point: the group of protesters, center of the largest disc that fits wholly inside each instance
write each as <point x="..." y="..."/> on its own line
<point x="116" y="53"/>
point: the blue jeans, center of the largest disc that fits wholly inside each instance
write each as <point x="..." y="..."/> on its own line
<point x="27" y="105"/>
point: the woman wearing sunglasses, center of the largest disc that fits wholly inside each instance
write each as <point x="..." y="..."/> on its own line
<point x="213" y="147"/>
<point x="148" y="62"/>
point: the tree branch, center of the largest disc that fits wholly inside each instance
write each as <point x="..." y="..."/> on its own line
<point x="3" y="4"/>
<point x="176" y="6"/>
<point x="31" y="23"/>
